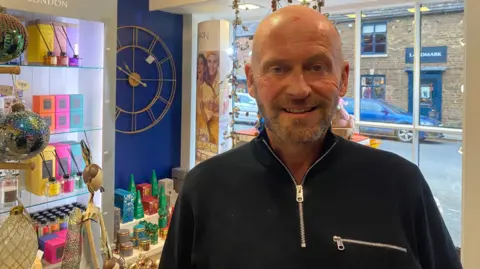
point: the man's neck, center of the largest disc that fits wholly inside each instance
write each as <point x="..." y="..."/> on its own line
<point x="298" y="157"/>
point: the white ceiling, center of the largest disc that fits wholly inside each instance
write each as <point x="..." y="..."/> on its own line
<point x="221" y="9"/>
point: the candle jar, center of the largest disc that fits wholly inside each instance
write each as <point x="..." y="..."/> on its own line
<point x="79" y="183"/>
<point x="62" y="220"/>
<point x="9" y="189"/>
<point x="52" y="188"/>
<point x="74" y="61"/>
<point x="68" y="184"/>
<point x="144" y="244"/>
<point x="44" y="228"/>
<point x="126" y="249"/>
<point x="139" y="231"/>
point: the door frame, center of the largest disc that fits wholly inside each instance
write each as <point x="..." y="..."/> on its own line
<point x="436" y="75"/>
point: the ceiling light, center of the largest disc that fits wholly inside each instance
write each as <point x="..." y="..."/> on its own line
<point x="353" y="16"/>
<point x="248" y="6"/>
<point x="422" y="9"/>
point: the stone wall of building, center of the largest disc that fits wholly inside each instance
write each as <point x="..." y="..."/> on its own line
<point x="444" y="29"/>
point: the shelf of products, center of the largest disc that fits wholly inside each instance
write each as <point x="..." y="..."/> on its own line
<point x="50" y="66"/>
<point x="60" y="80"/>
<point x="129" y="225"/>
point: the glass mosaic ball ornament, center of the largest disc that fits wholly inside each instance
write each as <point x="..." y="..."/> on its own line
<point x="13" y="37"/>
<point x="23" y="134"/>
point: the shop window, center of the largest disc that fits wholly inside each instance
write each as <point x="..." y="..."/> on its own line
<point x="373" y="86"/>
<point x="374" y="38"/>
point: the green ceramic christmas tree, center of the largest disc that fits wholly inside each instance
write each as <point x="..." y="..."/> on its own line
<point x="154" y="183"/>
<point x="162" y="209"/>
<point x="133" y="188"/>
<point x="138" y="210"/>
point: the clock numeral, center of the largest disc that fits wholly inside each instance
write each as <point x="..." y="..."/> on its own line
<point x="152" y="45"/>
<point x="151" y="115"/>
<point x="135" y="36"/>
<point x="117" y="113"/>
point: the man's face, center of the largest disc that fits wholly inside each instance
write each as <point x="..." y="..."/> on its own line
<point x="212" y="65"/>
<point x="299" y="78"/>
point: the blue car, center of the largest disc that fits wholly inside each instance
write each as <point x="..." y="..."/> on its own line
<point x="381" y="111"/>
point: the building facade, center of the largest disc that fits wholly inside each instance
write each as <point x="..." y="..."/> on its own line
<point x="387" y="58"/>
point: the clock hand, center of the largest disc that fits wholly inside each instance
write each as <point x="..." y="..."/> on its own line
<point x="126" y="67"/>
<point x="130" y="75"/>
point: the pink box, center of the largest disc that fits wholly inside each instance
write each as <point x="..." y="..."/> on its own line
<point x="64" y="156"/>
<point x="62" y="120"/>
<point x="54" y="250"/>
<point x="62" y="103"/>
<point x="62" y="234"/>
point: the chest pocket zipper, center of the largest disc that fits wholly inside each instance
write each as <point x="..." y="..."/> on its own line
<point x="341" y="242"/>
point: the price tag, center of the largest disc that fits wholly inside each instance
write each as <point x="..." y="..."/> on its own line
<point x="22" y="85"/>
<point x="6" y="90"/>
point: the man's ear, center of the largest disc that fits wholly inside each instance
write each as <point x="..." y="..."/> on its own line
<point x="249" y="75"/>
<point x="345" y="74"/>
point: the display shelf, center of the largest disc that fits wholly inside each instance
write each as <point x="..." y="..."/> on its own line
<point x="76" y="130"/>
<point x="131" y="224"/>
<point x="31" y="200"/>
<point x="155" y="250"/>
<point x="53" y="66"/>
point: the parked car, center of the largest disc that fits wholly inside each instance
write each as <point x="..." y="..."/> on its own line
<point x="248" y="109"/>
<point x="381" y="111"/>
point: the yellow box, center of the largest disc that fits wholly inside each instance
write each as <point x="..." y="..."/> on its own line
<point x="36" y="179"/>
<point x="36" y="43"/>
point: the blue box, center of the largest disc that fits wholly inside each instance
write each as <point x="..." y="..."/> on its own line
<point x="76" y="119"/>
<point x="125" y="201"/>
<point x="76" y="149"/>
<point x="42" y="240"/>
<point x="76" y="102"/>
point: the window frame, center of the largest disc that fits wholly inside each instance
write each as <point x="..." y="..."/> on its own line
<point x="372" y="85"/>
<point x="374" y="24"/>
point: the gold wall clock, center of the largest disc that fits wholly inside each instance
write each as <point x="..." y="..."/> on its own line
<point x="146" y="80"/>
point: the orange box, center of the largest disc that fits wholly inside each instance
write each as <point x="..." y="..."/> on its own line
<point x="44" y="104"/>
<point x="49" y="118"/>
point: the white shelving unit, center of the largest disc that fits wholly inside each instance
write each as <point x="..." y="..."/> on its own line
<point x="95" y="79"/>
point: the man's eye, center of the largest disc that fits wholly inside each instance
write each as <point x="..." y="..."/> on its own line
<point x="317" y="68"/>
<point x="276" y="70"/>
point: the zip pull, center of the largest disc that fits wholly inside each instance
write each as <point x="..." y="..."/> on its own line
<point x="339" y="241"/>
<point x="300" y="193"/>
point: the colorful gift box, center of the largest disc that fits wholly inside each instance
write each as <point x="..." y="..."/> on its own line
<point x="62" y="234"/>
<point x="145" y="189"/>
<point x="54" y="250"/>
<point x="44" y="239"/>
<point x="49" y="119"/>
<point x="125" y="201"/>
<point x="62" y="103"/>
<point x="43" y="104"/>
<point x="36" y="179"/>
<point x="62" y="120"/>
<point x="172" y="198"/>
<point x="150" y="205"/>
<point x="76" y="102"/>
<point x="64" y="157"/>
<point x="76" y="119"/>
<point x="76" y="149"/>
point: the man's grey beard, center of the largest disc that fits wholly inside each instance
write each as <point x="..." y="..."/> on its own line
<point x="301" y="135"/>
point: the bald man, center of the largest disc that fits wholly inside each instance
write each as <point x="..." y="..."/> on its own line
<point x="297" y="196"/>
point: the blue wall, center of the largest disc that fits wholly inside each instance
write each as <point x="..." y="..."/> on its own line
<point x="159" y="147"/>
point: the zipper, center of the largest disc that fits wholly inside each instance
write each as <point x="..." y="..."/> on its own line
<point x="341" y="244"/>
<point x="299" y="190"/>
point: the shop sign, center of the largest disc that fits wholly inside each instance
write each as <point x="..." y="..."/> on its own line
<point x="55" y="3"/>
<point x="428" y="55"/>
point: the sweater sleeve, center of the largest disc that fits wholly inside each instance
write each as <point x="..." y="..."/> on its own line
<point x="434" y="244"/>
<point x="177" y="250"/>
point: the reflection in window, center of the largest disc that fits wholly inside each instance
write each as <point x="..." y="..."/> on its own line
<point x="374" y="38"/>
<point x="373" y="86"/>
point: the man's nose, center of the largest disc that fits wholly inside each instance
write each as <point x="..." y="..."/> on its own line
<point x="298" y="87"/>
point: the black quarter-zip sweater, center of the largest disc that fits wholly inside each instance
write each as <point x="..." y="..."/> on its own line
<point x="358" y="208"/>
